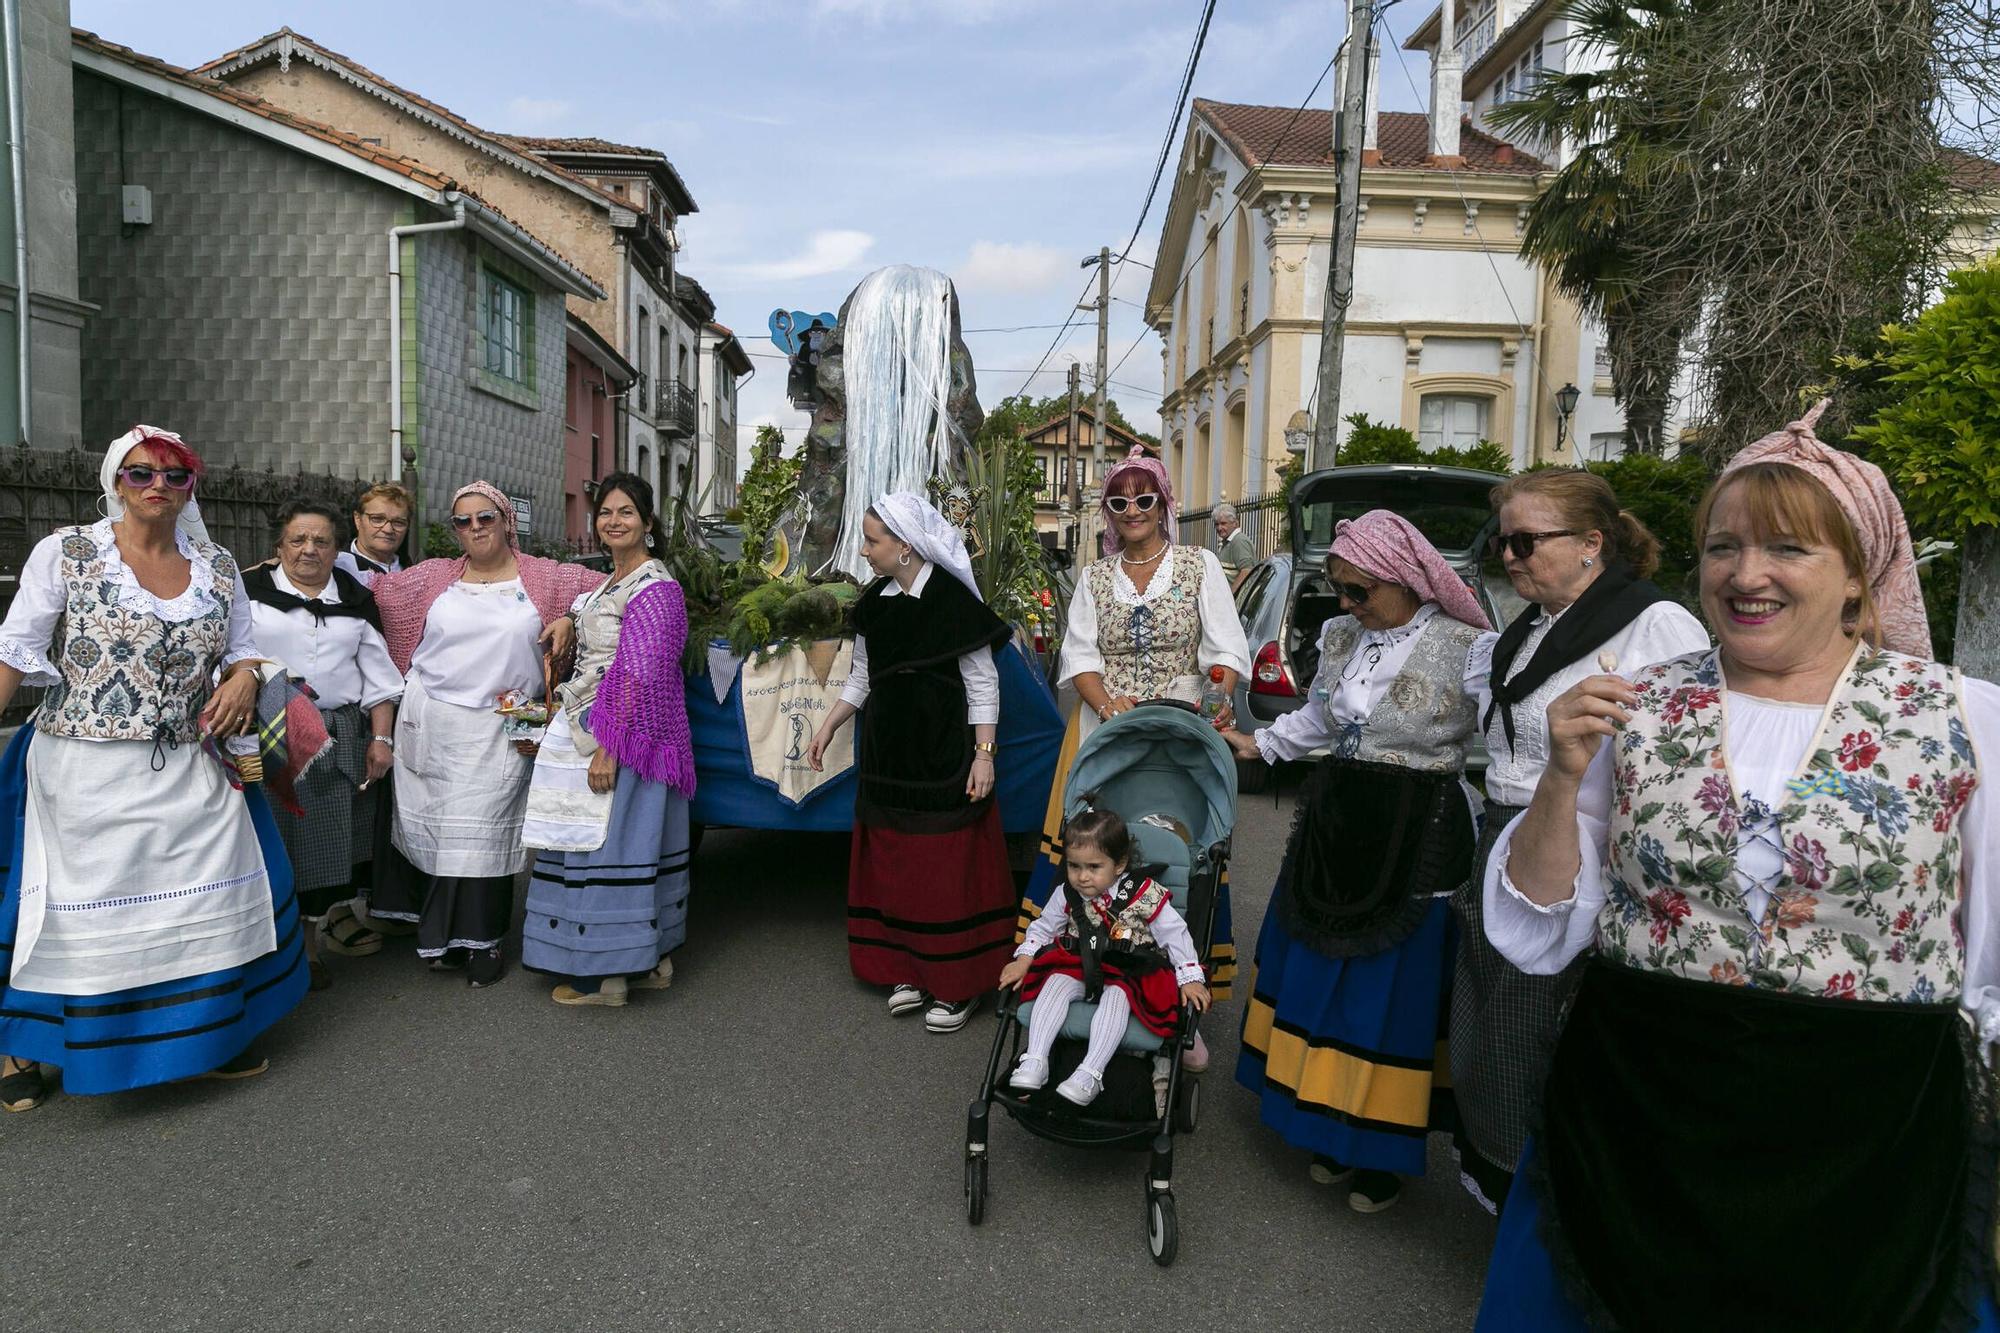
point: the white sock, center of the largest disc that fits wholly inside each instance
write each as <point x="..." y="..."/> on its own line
<point x="1107" y="1029"/>
<point x="1051" y="1008"/>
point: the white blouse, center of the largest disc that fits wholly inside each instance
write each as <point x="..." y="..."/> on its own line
<point x="1170" y="932"/>
<point x="976" y="668"/>
<point x="348" y="561"/>
<point x="1222" y="641"/>
<point x="27" y="634"/>
<point x="1767" y="741"/>
<point x="344" y="659"/>
<point x="1663" y="631"/>
<point x="480" y="639"/>
<point x="1353" y="687"/>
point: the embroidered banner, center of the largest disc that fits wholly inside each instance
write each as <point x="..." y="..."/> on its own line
<point x="784" y="701"/>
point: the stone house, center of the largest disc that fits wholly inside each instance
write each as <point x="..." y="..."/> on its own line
<point x="251" y="306"/>
<point x="721" y="364"/>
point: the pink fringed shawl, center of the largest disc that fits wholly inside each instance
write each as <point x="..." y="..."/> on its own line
<point x="405" y="597"/>
<point x="640" y="712"/>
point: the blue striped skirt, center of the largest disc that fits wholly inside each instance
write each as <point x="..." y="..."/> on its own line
<point x="150" y="1034"/>
<point x="618" y="910"/>
<point x="1345" y="1054"/>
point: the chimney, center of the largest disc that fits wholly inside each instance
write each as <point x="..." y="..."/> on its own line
<point x="1447" y="91"/>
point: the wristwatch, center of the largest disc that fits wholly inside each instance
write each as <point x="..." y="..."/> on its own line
<point x="987" y="748"/>
<point x="389" y="741"/>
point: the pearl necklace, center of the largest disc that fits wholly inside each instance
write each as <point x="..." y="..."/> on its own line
<point x="1164" y="546"/>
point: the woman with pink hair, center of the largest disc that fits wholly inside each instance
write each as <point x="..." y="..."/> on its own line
<point x="1150" y="620"/>
<point x="464" y="632"/>
<point x="1355" y="957"/>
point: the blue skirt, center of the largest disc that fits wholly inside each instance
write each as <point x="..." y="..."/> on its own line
<point x="1523" y="1293"/>
<point x="618" y="910"/>
<point x="1345" y="1054"/>
<point x="151" y="1034"/>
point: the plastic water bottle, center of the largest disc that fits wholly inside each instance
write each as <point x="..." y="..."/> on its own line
<point x="1214" y="698"/>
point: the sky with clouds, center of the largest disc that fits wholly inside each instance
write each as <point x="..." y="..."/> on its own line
<point x="1001" y="141"/>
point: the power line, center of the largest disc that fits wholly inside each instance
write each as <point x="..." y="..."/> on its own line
<point x="1159" y="170"/>
<point x="1237" y="206"/>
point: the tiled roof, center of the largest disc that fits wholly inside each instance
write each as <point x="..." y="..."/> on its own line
<point x="1116" y="432"/>
<point x="406" y="166"/>
<point x="353" y="144"/>
<point x="692" y="292"/>
<point x="1968" y="171"/>
<point x="444" y="113"/>
<point x="1259" y="135"/>
<point x="543" y="144"/>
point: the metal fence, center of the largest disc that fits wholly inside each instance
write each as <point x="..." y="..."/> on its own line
<point x="1263" y="518"/>
<point x="45" y="489"/>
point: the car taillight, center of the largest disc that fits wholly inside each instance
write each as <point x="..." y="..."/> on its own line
<point x="1268" y="674"/>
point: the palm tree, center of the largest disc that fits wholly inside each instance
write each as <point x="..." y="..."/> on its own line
<point x="1602" y="226"/>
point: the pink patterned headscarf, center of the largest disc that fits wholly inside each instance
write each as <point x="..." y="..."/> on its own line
<point x="1863" y="493"/>
<point x="1138" y="461"/>
<point x="1387" y="546"/>
<point x="500" y="502"/>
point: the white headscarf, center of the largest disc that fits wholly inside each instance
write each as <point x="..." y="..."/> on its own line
<point x="929" y="533"/>
<point x="189" y="521"/>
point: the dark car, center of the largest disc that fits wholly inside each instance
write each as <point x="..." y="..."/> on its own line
<point x="1284" y="601"/>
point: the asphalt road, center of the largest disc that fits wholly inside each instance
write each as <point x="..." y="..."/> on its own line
<point x="760" y="1147"/>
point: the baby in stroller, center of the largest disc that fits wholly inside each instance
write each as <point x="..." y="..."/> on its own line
<point x="1107" y="935"/>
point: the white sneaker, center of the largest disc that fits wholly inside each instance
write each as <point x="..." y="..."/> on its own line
<point x="942" y="1017"/>
<point x="1030" y="1074"/>
<point x="906" y="999"/>
<point x="1081" y="1087"/>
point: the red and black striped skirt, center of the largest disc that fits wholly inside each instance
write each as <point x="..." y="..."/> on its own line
<point x="931" y="910"/>
<point x="1156" y="1000"/>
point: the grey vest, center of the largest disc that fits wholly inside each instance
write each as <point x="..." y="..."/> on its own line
<point x="1425" y="717"/>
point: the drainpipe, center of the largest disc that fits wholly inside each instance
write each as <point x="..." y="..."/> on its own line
<point x="17" y="154"/>
<point x="396" y="235"/>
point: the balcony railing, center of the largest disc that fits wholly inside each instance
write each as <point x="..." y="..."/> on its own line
<point x="674" y="410"/>
<point x="1479" y="37"/>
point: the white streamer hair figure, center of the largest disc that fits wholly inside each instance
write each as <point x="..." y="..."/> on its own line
<point x="930" y="534"/>
<point x="189" y="521"/>
<point x="896" y="366"/>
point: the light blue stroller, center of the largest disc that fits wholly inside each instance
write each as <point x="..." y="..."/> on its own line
<point x="1167" y="773"/>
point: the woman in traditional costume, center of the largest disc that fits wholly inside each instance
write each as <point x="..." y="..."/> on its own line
<point x="1151" y="619"/>
<point x="1354" y="960"/>
<point x="320" y="624"/>
<point x="149" y="929"/>
<point x="1582" y="564"/>
<point x="464" y="632"/>
<point x="1767" y="1108"/>
<point x="608" y="805"/>
<point x="929" y="894"/>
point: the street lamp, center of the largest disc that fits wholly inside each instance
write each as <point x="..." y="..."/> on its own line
<point x="1565" y="404"/>
<point x="1298" y="432"/>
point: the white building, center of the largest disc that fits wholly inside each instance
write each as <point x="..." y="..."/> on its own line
<point x="723" y="362"/>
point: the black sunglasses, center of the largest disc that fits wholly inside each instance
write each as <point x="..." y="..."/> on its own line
<point x="1522" y="544"/>
<point x="1144" y="503"/>
<point x="139" y="477"/>
<point x="484" y="518"/>
<point x="1355" y="593"/>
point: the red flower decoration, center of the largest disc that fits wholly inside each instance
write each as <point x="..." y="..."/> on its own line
<point x="1840" y="986"/>
<point x="1858" y="750"/>
<point x="1667" y="907"/>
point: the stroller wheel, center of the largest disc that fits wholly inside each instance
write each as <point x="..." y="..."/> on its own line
<point x="1187" y="1106"/>
<point x="975" y="1189"/>
<point x="1163" y="1233"/>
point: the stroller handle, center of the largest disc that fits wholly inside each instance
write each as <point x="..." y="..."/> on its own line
<point x="1181" y="704"/>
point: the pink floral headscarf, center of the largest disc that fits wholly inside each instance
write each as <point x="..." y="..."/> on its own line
<point x="1385" y="545"/>
<point x="1863" y="493"/>
<point x="1137" y="461"/>
<point x="500" y="502"/>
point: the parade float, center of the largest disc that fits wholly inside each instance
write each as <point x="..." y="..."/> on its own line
<point x="895" y="408"/>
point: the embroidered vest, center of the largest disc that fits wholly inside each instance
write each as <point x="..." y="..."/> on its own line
<point x="128" y="675"/>
<point x="1425" y="717"/>
<point x="1146" y="647"/>
<point x="1866" y="903"/>
<point x="1132" y="924"/>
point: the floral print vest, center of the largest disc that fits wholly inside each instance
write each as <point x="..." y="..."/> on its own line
<point x="1146" y="647"/>
<point x="1866" y="904"/>
<point x="1130" y="920"/>
<point x="1425" y="717"/>
<point x="128" y="675"/>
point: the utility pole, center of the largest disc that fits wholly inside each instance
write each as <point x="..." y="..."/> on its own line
<point x="1348" y="132"/>
<point x="1103" y="359"/>
<point x="1075" y="487"/>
